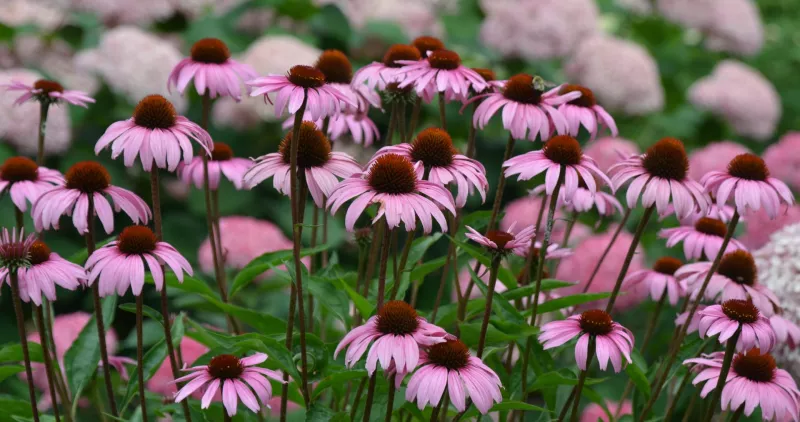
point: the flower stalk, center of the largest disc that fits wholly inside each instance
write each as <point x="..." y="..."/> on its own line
<point x="730" y="350"/>
<point x="23" y="339"/>
<point x="607" y="250"/>
<point x="487" y="312"/>
<point x="501" y="185"/>
<point x="44" y="107"/>
<point x="629" y="257"/>
<point x="48" y="363"/>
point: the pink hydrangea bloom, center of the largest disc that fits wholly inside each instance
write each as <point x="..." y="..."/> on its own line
<point x="713" y="157"/>
<point x="783" y="160"/>
<point x="524" y="212"/>
<point x="610" y="150"/>
<point x="595" y="413"/>
<point x="161" y="381"/>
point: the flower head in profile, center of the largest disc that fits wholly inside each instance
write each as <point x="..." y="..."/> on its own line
<point x="302" y="84"/>
<point x="427" y="44"/>
<point x="659" y="280"/>
<point x="392" y="182"/>
<point x="389" y="70"/>
<point x="321" y="167"/>
<point x="433" y="154"/>
<point x="48" y="92"/>
<point x="236" y="378"/>
<point x="121" y="264"/>
<point x="46" y="269"/>
<point x="84" y="180"/>
<point x="660" y="177"/>
<point x="748" y="183"/>
<point x="786" y="331"/>
<point x="15" y="249"/>
<point x="737" y="315"/>
<point x="213" y="70"/>
<point x="441" y="71"/>
<point x="612" y="340"/>
<point x="396" y="334"/>
<point x="338" y="72"/>
<point x="583" y="111"/>
<point x="24" y="180"/>
<point x="221" y="163"/>
<point x="702" y="239"/>
<point x="449" y="366"/>
<point x="155" y="134"/>
<point x="562" y="150"/>
<point x="503" y="242"/>
<point x="584" y="200"/>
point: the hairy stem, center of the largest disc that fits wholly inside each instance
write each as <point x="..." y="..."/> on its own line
<point x="487" y="312"/>
<point x="501" y="185"/>
<point x="611" y="242"/>
<point x="44" y="106"/>
<point x="628" y="258"/>
<point x="48" y="363"/>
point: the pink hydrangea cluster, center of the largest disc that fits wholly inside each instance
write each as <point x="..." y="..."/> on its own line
<point x="783" y="160"/>
<point x="759" y="227"/>
<point x="414" y="17"/>
<point x="713" y="157"/>
<point x="609" y="151"/>
<point x="524" y="211"/>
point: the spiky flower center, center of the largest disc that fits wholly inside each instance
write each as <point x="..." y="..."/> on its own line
<point x="155" y="112"/>
<point x="398" y="318"/>
<point x="210" y="50"/>
<point x="451" y="354"/>
<point x="221" y="152"/>
<point x="335" y="66"/>
<point x="520" y="88"/>
<point x="88" y="177"/>
<point x="667" y="159"/>
<point x="488" y="75"/>
<point x="739" y="310"/>
<point x="444" y="59"/>
<point x="225" y="367"/>
<point x="313" y="150"/>
<point x="500" y="238"/>
<point x="18" y="169"/>
<point x="755" y="366"/>
<point x="434" y="147"/>
<point x="400" y="52"/>
<point x="585" y="100"/>
<point x="39" y="253"/>
<point x="425" y="44"/>
<point x="596" y="322"/>
<point x="667" y="265"/>
<point x="748" y="166"/>
<point x="137" y="240"/>
<point x="48" y="86"/>
<point x="392" y="174"/>
<point x="739" y="266"/>
<point x="564" y="150"/>
<point x="394" y="88"/>
<point x="306" y="76"/>
<point x="712" y="226"/>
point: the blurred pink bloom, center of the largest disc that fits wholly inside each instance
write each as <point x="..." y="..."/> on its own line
<point x="738" y="315"/>
<point x="584" y="111"/>
<point x="504" y="242"/>
<point x="659" y="280"/>
<point x="24" y="181"/>
<point x="783" y="160"/>
<point x="213" y="70"/>
<point x="786" y="331"/>
<point x="413" y="17"/>
<point x="441" y="71"/>
<point x="702" y="240"/>
<point x="610" y="150"/>
<point x="713" y="157"/>
<point x="525" y="210"/>
<point x="321" y="101"/>
<point x="221" y="163"/>
<point x="47" y="269"/>
<point x="595" y="413"/>
<point x="161" y="381"/>
<point x="390" y="69"/>
<point x="585" y="200"/>
<point x="759" y="226"/>
<point x="49" y="92"/>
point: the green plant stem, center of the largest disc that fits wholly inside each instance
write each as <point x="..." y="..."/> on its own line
<point x="387" y="234"/>
<point x="442" y="114"/>
<point x="44" y="106"/>
<point x="611" y="242"/>
<point x="402" y="266"/>
<point x="288" y="344"/>
<point x="651" y="327"/>
<point x="412" y="125"/>
<point x="23" y="339"/>
<point x="573" y="218"/>
<point x="674" y="402"/>
<point x="501" y="184"/>
<point x="582" y="379"/>
<point x="48" y="364"/>
<point x="390" y="398"/>
<point x="730" y="350"/>
<point x="370" y="397"/>
<point x="401" y="123"/>
<point x="637" y="236"/>
<point x="451" y="256"/>
<point x="471" y="134"/>
<point x="140" y="356"/>
<point x="357" y="399"/>
<point x="738" y="414"/>
<point x="311" y="266"/>
<point x="362" y="268"/>
<point x="487" y="312"/>
<point x="387" y="140"/>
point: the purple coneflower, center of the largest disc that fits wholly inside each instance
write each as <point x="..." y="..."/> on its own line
<point x="392" y="182"/>
<point x="302" y="84"/>
<point x="694" y="324"/>
<point x="449" y="366"/>
<point x="338" y="73"/>
<point x="360" y="127"/>
<point x="155" y="133"/>
<point x="785" y="331"/>
<point x="121" y="264"/>
<point x="83" y="179"/>
<point x="442" y="72"/>
<point x="737" y="315"/>
<point x="48" y="92"/>
<point x="221" y="163"/>
<point x="397" y="332"/>
<point x="702" y="239"/>
<point x="659" y="280"/>
<point x="503" y="242"/>
<point x="612" y="340"/>
<point x="321" y="167"/>
<point x="427" y="44"/>
<point x="45" y="271"/>
<point x="583" y="111"/>
<point x="379" y="74"/>
<point x="25" y="181"/>
<point x="15" y="249"/>
<point x="236" y="378"/>
<point x="584" y="200"/>
<point x="212" y="68"/>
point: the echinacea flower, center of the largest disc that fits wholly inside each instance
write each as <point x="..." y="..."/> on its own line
<point x="396" y="334"/>
<point x="338" y="72"/>
<point x="562" y="150"/>
<point x="659" y="280"/>
<point x="660" y="176"/>
<point x="155" y="134"/>
<point x="221" y="163"/>
<point x="15" y="249"/>
<point x="526" y="111"/>
<point x="703" y="239"/>
<point x="46" y="270"/>
<point x="612" y="340"/>
<point x="449" y="366"/>
<point x="583" y="111"/>
<point x="737" y="315"/>
<point x="392" y="182"/>
<point x="694" y="324"/>
<point x="121" y="264"/>
<point x="48" y="92"/>
<point x="321" y="167"/>
<point x="214" y="71"/>
<point x="748" y="184"/>
<point x="441" y="72"/>
<point x="722" y="213"/>
<point x="436" y="160"/>
<point x="786" y="331"/>
<point x="389" y="70"/>
<point x="24" y="180"/>
<point x="426" y="44"/>
<point x="584" y="200"/>
<point x="236" y="378"/>
<point x="754" y="381"/>
<point x="82" y="180"/>
<point x="736" y="278"/>
<point x="302" y="84"/>
<point x="503" y="242"/>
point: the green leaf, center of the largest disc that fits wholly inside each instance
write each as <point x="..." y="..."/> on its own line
<point x="11" y="407"/>
<point x="637" y="375"/>
<point x="146" y="310"/>
<point x="189" y="285"/>
<point x="262" y="322"/>
<point x="498" y="303"/>
<point x="527" y="291"/>
<point x="364" y="307"/>
<point x="322" y="413"/>
<point x="505" y="406"/>
<point x="9" y="370"/>
<point x="337" y="378"/>
<point x="420" y="271"/>
<point x="556" y="378"/>
<point x="421" y="245"/>
<point x="265" y="262"/>
<point x="81" y="256"/>
<point x="567" y="301"/>
<point x="13" y="353"/>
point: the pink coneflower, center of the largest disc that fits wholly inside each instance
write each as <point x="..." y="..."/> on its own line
<point x="502" y="242"/>
<point x="397" y="332"/>
<point x="703" y="239"/>
<point x="222" y="163"/>
<point x="785" y="331"/>
<point x="45" y="271"/>
<point x="748" y="184"/>
<point x="48" y="92"/>
<point x="15" y="249"/>
<point x="213" y="70"/>
<point x="358" y="124"/>
<point x="694" y="324"/>
<point x="661" y="174"/>
<point x="237" y="378"/>
<point x="24" y="181"/>
<point x="723" y="213"/>
<point x="379" y="74"/>
<point x="338" y="73"/>
<point x="322" y="168"/>
<point x="121" y="264"/>
<point x="436" y="160"/>
<point x="733" y="315"/>
<point x="659" y="280"/>
<point x="562" y="150"/>
<point x="583" y="111"/>
<point x="524" y="210"/>
<point x="608" y="151"/>
<point x="612" y="340"/>
<point x="449" y="366"/>
<point x="161" y="381"/>
<point x="736" y="278"/>
<point x="301" y="81"/>
<point x="391" y="181"/>
<point x="155" y="133"/>
<point x="83" y="179"/>
<point x="584" y="200"/>
<point x="754" y="381"/>
<point x="442" y="72"/>
<point x="526" y="111"/>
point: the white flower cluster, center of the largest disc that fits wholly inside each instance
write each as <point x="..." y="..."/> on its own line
<point x="415" y="17"/>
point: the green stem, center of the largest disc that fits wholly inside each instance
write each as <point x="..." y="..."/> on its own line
<point x="44" y="106"/>
<point x="402" y="266"/>
<point x="651" y="328"/>
<point x="390" y="399"/>
<point x="288" y="344"/>
<point x="487" y="312"/>
<point x="370" y="397"/>
<point x="501" y="184"/>
<point x="582" y="380"/>
<point x="442" y="114"/>
<point x="23" y="340"/>
<point x="140" y="357"/>
<point x="412" y="126"/>
<point x="48" y="364"/>
<point x="611" y="242"/>
<point x="471" y="134"/>
<point x="730" y="350"/>
<point x="451" y="254"/>
<point x="737" y="414"/>
<point x="387" y="140"/>
<point x="631" y="252"/>
<point x="387" y="234"/>
<point x="357" y="399"/>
